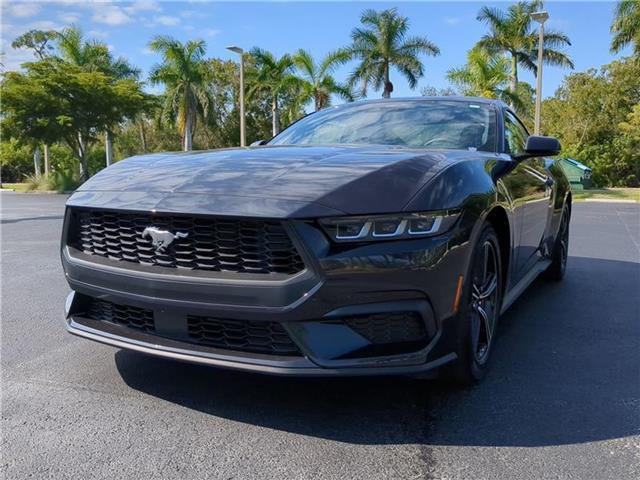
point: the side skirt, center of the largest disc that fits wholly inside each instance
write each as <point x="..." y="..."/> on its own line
<point x="513" y="294"/>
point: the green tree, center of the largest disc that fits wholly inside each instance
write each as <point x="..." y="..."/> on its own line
<point x="593" y="114"/>
<point x="512" y="32"/>
<point x="484" y="75"/>
<point x="94" y="56"/>
<point x="40" y="41"/>
<point x="382" y="43"/>
<point x="626" y="26"/>
<point x="184" y="74"/>
<point x="318" y="84"/>
<point x="62" y="100"/>
<point x="274" y="77"/>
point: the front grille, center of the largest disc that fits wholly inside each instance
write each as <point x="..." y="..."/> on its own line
<point x="258" y="337"/>
<point x="239" y="335"/>
<point x="210" y="244"/>
<point x="123" y="315"/>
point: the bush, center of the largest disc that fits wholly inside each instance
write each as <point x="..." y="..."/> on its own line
<point x="37" y="182"/>
<point x="60" y="181"/>
<point x="63" y="181"/>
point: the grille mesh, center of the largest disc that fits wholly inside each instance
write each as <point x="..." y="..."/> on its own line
<point x="239" y="335"/>
<point x="389" y="328"/>
<point x="124" y="315"/>
<point x="213" y="244"/>
<point x="259" y="337"/>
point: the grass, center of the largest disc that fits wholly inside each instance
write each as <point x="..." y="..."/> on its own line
<point x="18" y="187"/>
<point x="607" y="194"/>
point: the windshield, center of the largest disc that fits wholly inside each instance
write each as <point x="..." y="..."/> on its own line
<point x="414" y="124"/>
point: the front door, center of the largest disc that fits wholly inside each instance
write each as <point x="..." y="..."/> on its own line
<point x="531" y="185"/>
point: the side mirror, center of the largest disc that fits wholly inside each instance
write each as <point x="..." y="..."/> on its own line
<point x="538" y="146"/>
<point x="259" y="143"/>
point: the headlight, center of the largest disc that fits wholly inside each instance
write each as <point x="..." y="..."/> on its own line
<point x="393" y="226"/>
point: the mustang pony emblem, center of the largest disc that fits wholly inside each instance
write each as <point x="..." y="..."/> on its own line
<point x="161" y="239"/>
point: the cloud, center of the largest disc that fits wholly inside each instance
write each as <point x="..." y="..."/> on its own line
<point x="143" y="6"/>
<point x="14" y="57"/>
<point x="26" y="9"/>
<point x="452" y="20"/>
<point x="147" y="51"/>
<point x="69" y="18"/>
<point x="97" y="33"/>
<point x="14" y="30"/>
<point x="110" y="15"/>
<point x="166" y="20"/>
<point x="210" y="32"/>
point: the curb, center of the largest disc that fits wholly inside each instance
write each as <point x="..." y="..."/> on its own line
<point x="604" y="200"/>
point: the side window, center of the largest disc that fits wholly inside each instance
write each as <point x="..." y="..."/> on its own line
<point x="515" y="134"/>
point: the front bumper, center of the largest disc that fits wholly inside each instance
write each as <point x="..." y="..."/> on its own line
<point x="411" y="275"/>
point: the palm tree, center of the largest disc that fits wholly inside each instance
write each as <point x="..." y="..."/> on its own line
<point x="92" y="56"/>
<point x="184" y="74"/>
<point x="273" y="76"/>
<point x="513" y="33"/>
<point x="317" y="82"/>
<point x="626" y="26"/>
<point x="383" y="43"/>
<point x="484" y="75"/>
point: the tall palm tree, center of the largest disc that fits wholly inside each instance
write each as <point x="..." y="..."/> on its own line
<point x="382" y="43"/>
<point x="275" y="77"/>
<point x="317" y="82"/>
<point x="92" y="56"/>
<point x="512" y="32"/>
<point x="626" y="26"/>
<point x="184" y="74"/>
<point x="484" y="75"/>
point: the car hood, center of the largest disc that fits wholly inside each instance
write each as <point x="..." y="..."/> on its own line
<point x="334" y="179"/>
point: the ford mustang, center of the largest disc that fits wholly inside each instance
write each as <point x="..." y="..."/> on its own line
<point x="372" y="238"/>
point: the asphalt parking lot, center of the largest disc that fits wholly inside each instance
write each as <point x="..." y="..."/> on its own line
<point x="562" y="400"/>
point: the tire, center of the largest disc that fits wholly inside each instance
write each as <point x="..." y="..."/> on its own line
<point x="560" y="253"/>
<point x="479" y="310"/>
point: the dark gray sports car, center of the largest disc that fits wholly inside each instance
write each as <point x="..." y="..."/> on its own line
<point x="381" y="237"/>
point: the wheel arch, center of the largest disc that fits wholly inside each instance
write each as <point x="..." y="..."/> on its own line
<point x="499" y="220"/>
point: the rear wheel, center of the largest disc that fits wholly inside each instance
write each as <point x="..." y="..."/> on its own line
<point x="560" y="253"/>
<point x="479" y="310"/>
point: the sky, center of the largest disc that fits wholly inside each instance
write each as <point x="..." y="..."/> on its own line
<point x="284" y="26"/>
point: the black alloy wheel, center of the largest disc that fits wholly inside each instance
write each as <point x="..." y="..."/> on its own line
<point x="479" y="310"/>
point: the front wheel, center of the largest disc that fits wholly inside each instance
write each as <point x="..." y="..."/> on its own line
<point x="560" y="253"/>
<point x="479" y="309"/>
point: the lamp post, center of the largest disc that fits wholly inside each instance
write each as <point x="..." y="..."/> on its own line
<point x="239" y="51"/>
<point x="539" y="17"/>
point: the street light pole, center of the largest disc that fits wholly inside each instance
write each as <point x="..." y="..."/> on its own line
<point x="239" y="51"/>
<point x="539" y="17"/>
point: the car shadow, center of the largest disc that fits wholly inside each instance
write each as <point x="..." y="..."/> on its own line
<point x="565" y="371"/>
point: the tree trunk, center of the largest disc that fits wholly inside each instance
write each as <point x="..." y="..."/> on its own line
<point x="108" y="148"/>
<point x="188" y="127"/>
<point x="386" y="93"/>
<point x="47" y="166"/>
<point x="82" y="156"/>
<point x="275" y="118"/>
<point x="143" y="137"/>
<point x="36" y="161"/>
<point x="514" y="76"/>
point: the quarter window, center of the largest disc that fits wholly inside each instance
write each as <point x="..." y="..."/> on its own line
<point x="515" y="134"/>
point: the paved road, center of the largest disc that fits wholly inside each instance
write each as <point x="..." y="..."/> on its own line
<point x="562" y="399"/>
